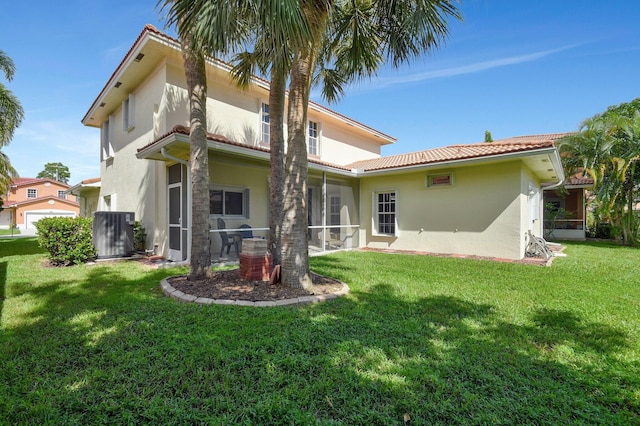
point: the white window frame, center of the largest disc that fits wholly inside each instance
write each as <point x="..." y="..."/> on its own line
<point x="313" y="138"/>
<point x="376" y="213"/>
<point x="106" y="139"/>
<point x="61" y="194"/>
<point x="128" y="113"/>
<point x="434" y="180"/>
<point x="265" y="124"/>
<point x="235" y="189"/>
<point x="35" y="193"/>
<point x="108" y="203"/>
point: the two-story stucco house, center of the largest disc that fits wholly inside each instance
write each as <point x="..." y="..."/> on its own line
<point x="477" y="199"/>
<point x="31" y="199"/>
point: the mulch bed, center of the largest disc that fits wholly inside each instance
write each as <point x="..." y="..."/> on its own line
<point x="228" y="285"/>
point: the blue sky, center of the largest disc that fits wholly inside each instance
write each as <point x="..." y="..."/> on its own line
<point x="511" y="67"/>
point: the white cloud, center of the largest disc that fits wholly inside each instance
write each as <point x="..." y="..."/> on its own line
<point x="382" y="82"/>
<point x="67" y="141"/>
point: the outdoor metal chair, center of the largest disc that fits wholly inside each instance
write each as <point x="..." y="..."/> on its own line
<point x="228" y="240"/>
<point x="246" y="231"/>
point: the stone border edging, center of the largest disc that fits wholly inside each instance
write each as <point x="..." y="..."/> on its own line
<point x="180" y="296"/>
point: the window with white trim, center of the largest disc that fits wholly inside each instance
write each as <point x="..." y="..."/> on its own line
<point x="128" y="111"/>
<point x="265" y="124"/>
<point x="229" y="202"/>
<point x="385" y="212"/>
<point x="313" y="139"/>
<point x="32" y="193"/>
<point x="61" y="194"/>
<point x="106" y="139"/>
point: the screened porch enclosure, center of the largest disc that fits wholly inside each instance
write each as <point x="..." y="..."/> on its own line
<point x="332" y="215"/>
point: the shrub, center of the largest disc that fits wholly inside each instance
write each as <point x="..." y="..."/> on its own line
<point x="602" y="230"/>
<point x="68" y="240"/>
<point x="139" y="236"/>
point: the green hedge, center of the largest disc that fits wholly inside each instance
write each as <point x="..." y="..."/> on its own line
<point x="68" y="240"/>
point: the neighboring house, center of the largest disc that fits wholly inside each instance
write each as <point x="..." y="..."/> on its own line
<point x="31" y="199"/>
<point x="566" y="209"/>
<point x="87" y="193"/>
<point x="477" y="199"/>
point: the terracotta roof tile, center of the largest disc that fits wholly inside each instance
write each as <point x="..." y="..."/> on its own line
<point x="92" y="180"/>
<point x="48" y="197"/>
<point x="449" y="153"/>
<point x="184" y="130"/>
<point x="21" y="181"/>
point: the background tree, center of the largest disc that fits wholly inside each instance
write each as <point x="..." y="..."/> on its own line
<point x="607" y="148"/>
<point x="55" y="171"/>
<point x="11" y="115"/>
<point x="487" y="136"/>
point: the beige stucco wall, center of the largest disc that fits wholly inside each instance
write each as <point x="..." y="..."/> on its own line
<point x="236" y="114"/>
<point x="340" y="144"/>
<point x="88" y="199"/>
<point x="132" y="183"/>
<point x="229" y="173"/>
<point x="481" y="214"/>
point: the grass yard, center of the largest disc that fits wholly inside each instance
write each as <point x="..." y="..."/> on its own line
<point x="433" y="340"/>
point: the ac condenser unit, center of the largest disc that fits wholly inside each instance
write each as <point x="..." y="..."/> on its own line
<point x="113" y="234"/>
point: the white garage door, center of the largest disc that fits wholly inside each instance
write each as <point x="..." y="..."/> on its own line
<point x="32" y="217"/>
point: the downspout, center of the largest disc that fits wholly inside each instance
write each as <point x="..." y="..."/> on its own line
<point x="168" y="156"/>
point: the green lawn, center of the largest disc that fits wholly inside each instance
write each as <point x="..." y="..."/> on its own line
<point x="9" y="232"/>
<point x="444" y="341"/>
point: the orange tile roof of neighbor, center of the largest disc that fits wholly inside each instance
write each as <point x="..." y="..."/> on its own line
<point x="20" y="181"/>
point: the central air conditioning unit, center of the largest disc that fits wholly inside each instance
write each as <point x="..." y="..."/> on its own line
<point x="113" y="234"/>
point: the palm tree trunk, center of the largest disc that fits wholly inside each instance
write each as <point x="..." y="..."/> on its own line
<point x="276" y="143"/>
<point x="194" y="65"/>
<point x="295" y="245"/>
<point x="295" y="242"/>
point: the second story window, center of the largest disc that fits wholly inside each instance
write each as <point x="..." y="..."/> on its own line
<point x="265" y="124"/>
<point x="128" y="113"/>
<point x="106" y="139"/>
<point x="32" y="193"/>
<point x="62" y="195"/>
<point x="312" y="139"/>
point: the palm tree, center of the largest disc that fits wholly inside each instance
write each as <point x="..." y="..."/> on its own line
<point x="226" y="34"/>
<point x="352" y="46"/>
<point x="607" y="148"/>
<point x="217" y="27"/>
<point x="11" y="115"/>
<point x="195" y="72"/>
<point x="354" y="37"/>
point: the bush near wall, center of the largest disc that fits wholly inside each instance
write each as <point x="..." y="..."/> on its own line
<point x="68" y="240"/>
